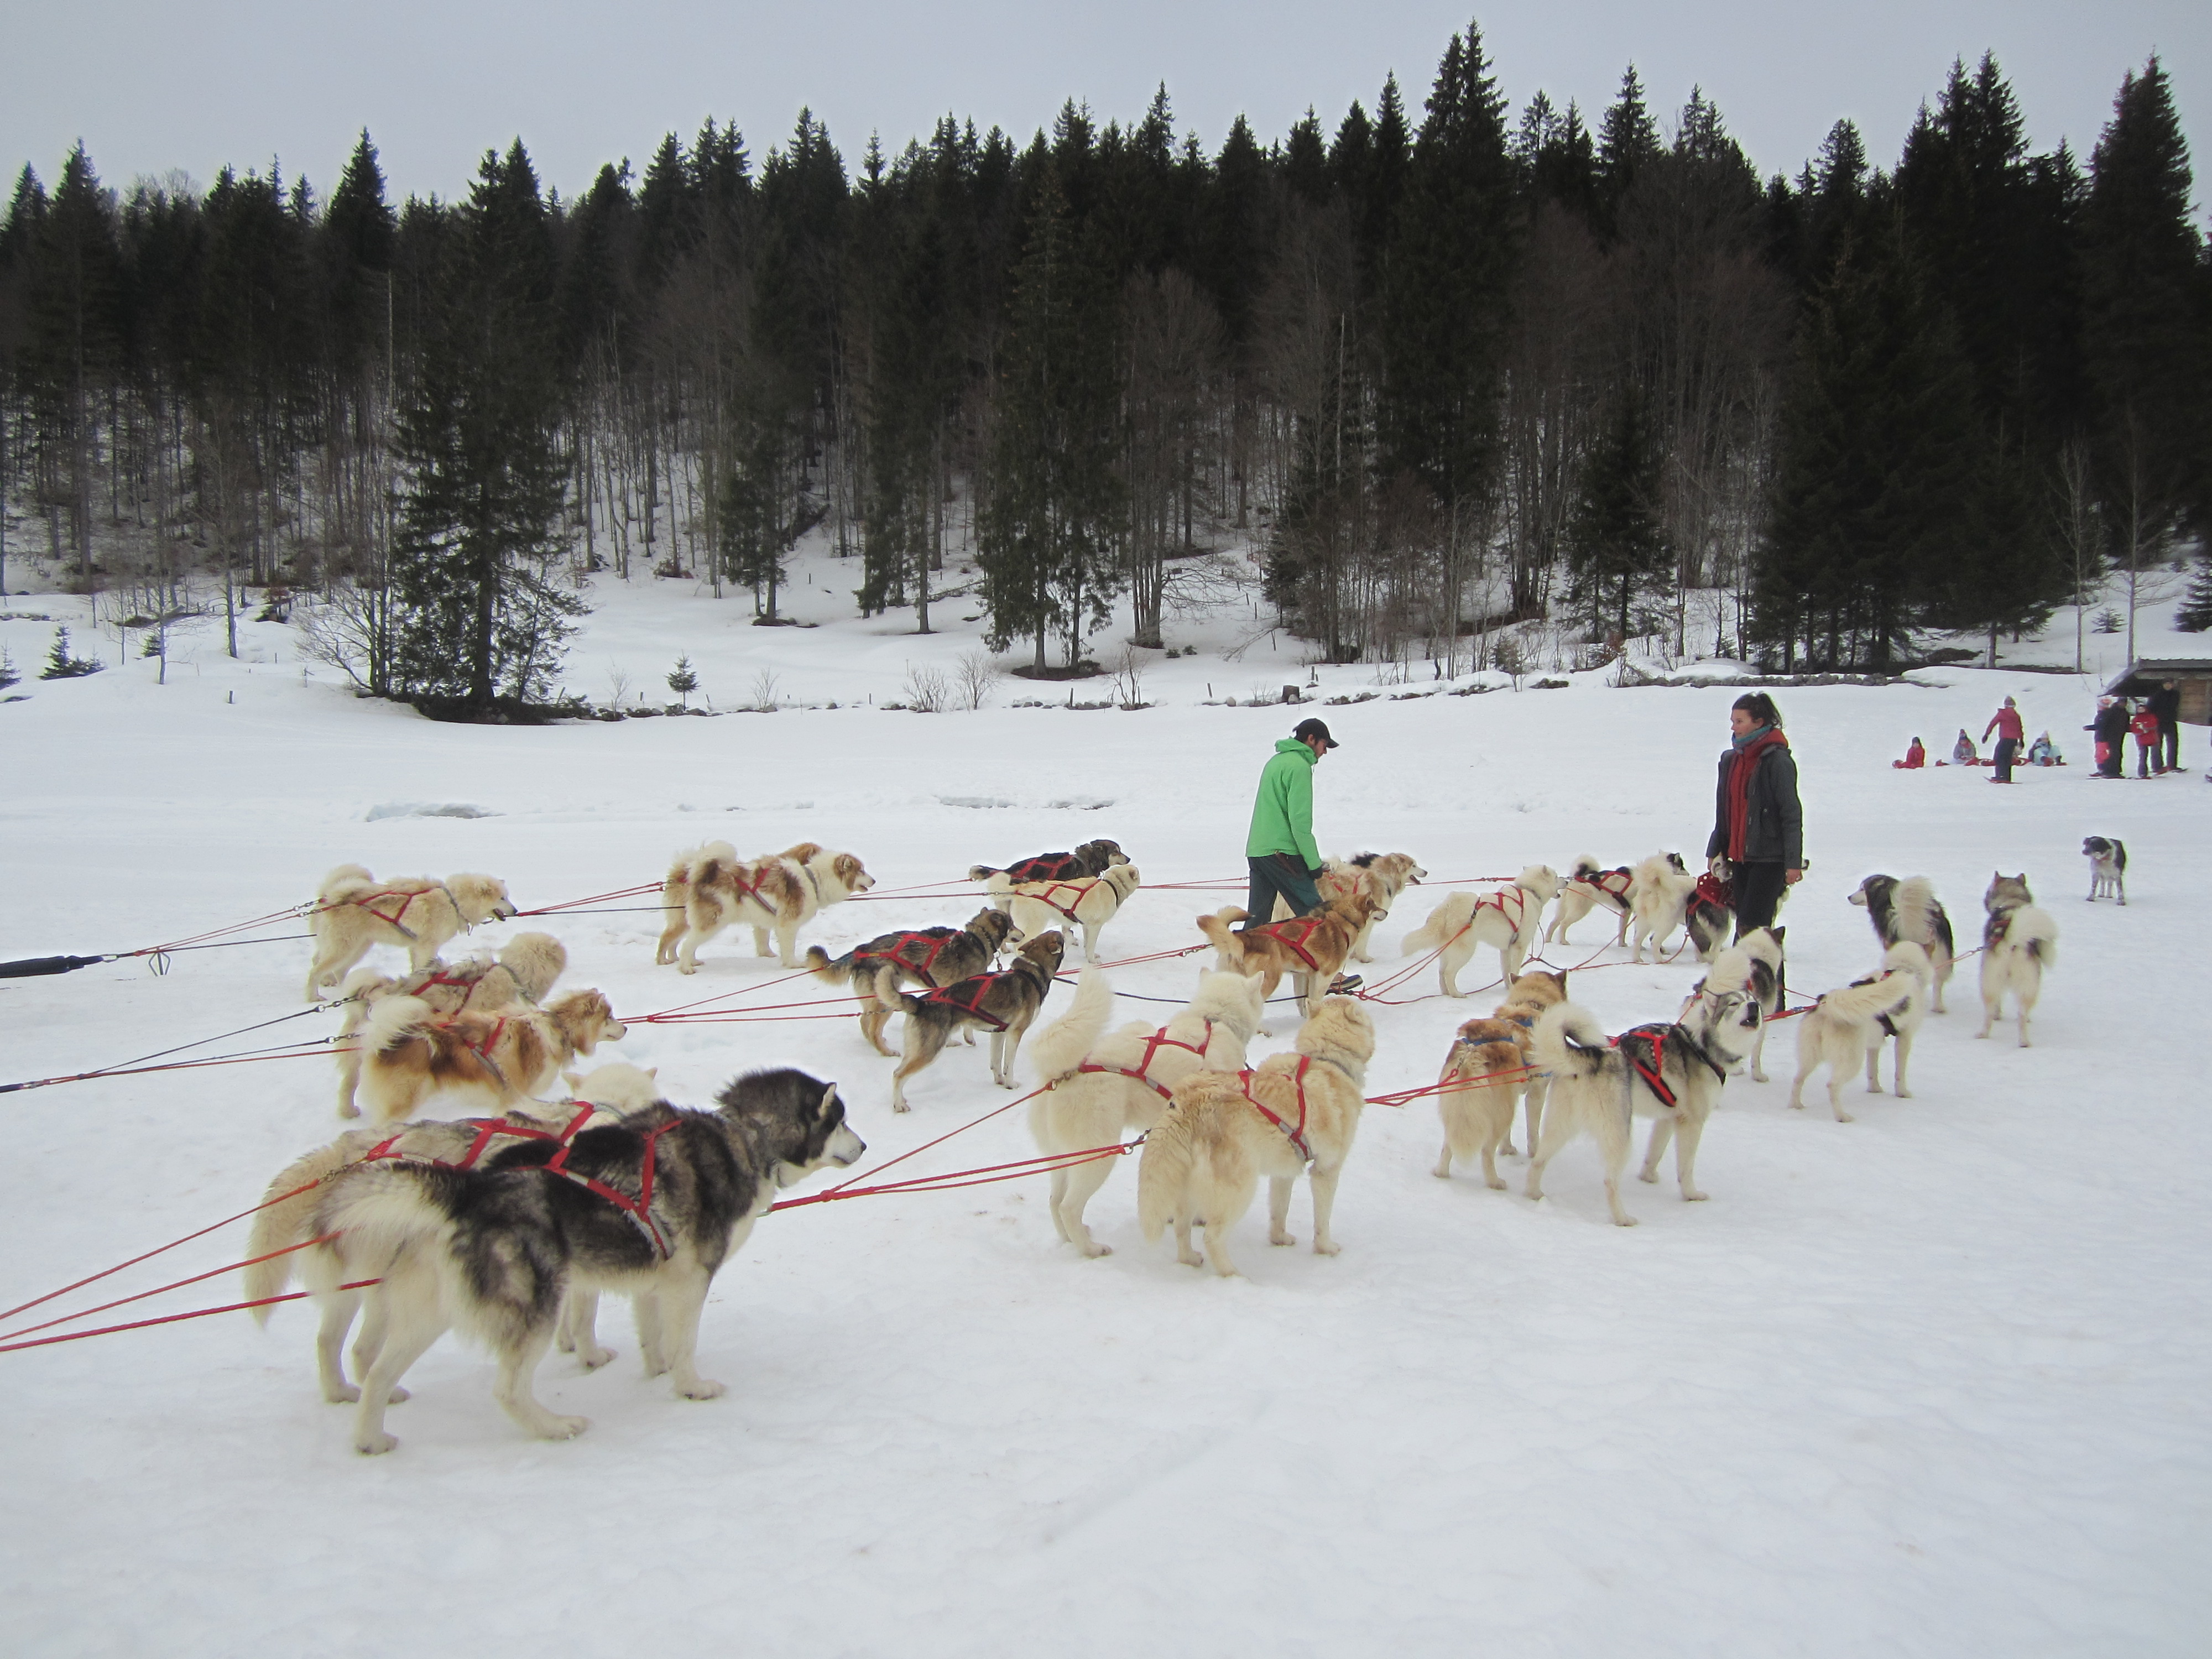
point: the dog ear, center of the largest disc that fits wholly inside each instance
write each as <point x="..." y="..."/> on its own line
<point x="829" y="1099"/>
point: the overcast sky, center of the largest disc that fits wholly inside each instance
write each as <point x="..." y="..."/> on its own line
<point x="153" y="85"/>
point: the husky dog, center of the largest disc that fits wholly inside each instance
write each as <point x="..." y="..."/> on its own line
<point x="1098" y="1084"/>
<point x="652" y="1206"/>
<point x="1908" y="909"/>
<point x="408" y="1055"/>
<point x="1380" y="875"/>
<point x="1658" y="901"/>
<point x="1846" y="1027"/>
<point x="709" y="888"/>
<point x="1588" y="886"/>
<point x="1311" y="949"/>
<point x="1088" y="903"/>
<point x="925" y="955"/>
<point x="1765" y="981"/>
<point x="2108" y="867"/>
<point x="1526" y="1000"/>
<point x="2019" y="942"/>
<point x="519" y="977"/>
<point x="1484" y="1068"/>
<point x="1005" y="1003"/>
<point x="1093" y="858"/>
<point x="1708" y="914"/>
<point x="354" y="910"/>
<point x="1903" y="1022"/>
<point x="1674" y="1073"/>
<point x="1507" y="917"/>
<point x="1223" y="1130"/>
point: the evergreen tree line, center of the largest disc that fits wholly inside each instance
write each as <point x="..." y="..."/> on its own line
<point x="1444" y="371"/>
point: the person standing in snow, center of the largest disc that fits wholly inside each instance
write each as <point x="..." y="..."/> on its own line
<point x="2166" y="704"/>
<point x="2005" y="724"/>
<point x="2144" y="728"/>
<point x="1757" y="822"/>
<point x="2110" y="728"/>
<point x="1280" y="848"/>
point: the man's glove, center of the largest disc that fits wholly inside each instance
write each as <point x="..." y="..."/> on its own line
<point x="1316" y="874"/>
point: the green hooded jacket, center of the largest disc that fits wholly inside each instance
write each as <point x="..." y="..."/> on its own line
<point x="1282" y="816"/>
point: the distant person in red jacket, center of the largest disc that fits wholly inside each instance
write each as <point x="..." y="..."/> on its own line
<point x="2005" y="724"/>
<point x="2144" y="728"/>
<point x="1915" y="757"/>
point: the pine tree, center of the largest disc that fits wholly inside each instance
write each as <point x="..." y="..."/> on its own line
<point x="1627" y="143"/>
<point x="684" y="680"/>
<point x="73" y="283"/>
<point x="1617" y="546"/>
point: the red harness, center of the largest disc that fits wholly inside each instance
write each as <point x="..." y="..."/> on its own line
<point x="1080" y="889"/>
<point x="1712" y="891"/>
<point x="1279" y="932"/>
<point x="1652" y="1071"/>
<point x="1614" y="883"/>
<point x="1297" y="1135"/>
<point x="937" y="939"/>
<point x="488" y="1129"/>
<point x="1153" y="1045"/>
<point x="967" y="997"/>
<point x="1495" y="900"/>
<point x="1046" y="866"/>
<point x="393" y="919"/>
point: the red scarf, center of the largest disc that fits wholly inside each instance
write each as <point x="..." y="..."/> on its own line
<point x="1744" y="763"/>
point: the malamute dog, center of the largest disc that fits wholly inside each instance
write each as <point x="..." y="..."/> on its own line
<point x="2108" y="867"/>
<point x="354" y="910"/>
<point x="1507" y="917"/>
<point x="519" y="977"/>
<point x="1708" y="914"/>
<point x="1311" y="949"/>
<point x="1093" y="858"/>
<point x="710" y="888"/>
<point x="2019" y="942"/>
<point x="1658" y="901"/>
<point x="651" y="1206"/>
<point x="925" y="955"/>
<point x="1223" y="1130"/>
<point x="408" y="1053"/>
<point x="1381" y="876"/>
<point x="1088" y="903"/>
<point x="1673" y="1074"/>
<point x="1845" y="1028"/>
<point x="1908" y="909"/>
<point x="1588" y="886"/>
<point x="1005" y="1003"/>
<point x="1097" y="1084"/>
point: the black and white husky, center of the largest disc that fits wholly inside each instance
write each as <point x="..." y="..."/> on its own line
<point x="2108" y="867"/>
<point x="651" y="1207"/>
<point x="1907" y="910"/>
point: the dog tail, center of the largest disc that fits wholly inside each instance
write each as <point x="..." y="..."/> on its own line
<point x="288" y="1209"/>
<point x="1164" y="1168"/>
<point x="1905" y="956"/>
<point x="1433" y="931"/>
<point x="392" y="1021"/>
<point x="891" y="997"/>
<point x="1568" y="1041"/>
<point x="1216" y="926"/>
<point x="982" y="872"/>
<point x="1585" y="867"/>
<point x="1061" y="1047"/>
<point x="830" y="971"/>
<point x="1860" y="1003"/>
<point x="2036" y="934"/>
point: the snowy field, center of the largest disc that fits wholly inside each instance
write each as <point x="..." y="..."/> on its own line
<point x="1928" y="1383"/>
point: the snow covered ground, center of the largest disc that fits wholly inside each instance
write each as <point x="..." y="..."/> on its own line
<point x="1928" y="1383"/>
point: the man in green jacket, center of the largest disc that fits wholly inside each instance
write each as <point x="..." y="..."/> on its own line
<point x="1280" y="848"/>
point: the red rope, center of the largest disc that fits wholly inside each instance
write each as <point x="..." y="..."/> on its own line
<point x="570" y="904"/>
<point x="171" y="1319"/>
<point x="983" y="1175"/>
<point x="178" y="1284"/>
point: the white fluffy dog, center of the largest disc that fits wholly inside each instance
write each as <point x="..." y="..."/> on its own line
<point x="2019" y="942"/>
<point x="1084" y="902"/>
<point x="1658" y="901"/>
<point x="1847" y="1027"/>
<point x="1099" y="1083"/>
<point x="354" y="910"/>
<point x="1508" y="917"/>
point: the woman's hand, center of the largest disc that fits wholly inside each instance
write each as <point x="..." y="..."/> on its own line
<point x="1791" y="878"/>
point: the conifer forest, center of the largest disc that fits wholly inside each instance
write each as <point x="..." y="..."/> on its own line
<point x="1413" y="373"/>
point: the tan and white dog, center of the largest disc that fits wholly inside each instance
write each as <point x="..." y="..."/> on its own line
<point x="1378" y="876"/>
<point x="1489" y="1062"/>
<point x="1588" y="886"/>
<point x="1223" y="1130"/>
<point x="1507" y="917"/>
<point x="353" y="911"/>
<point x="1084" y="903"/>
<point x="519" y="977"/>
<point x="710" y="888"/>
<point x="1659" y="901"/>
<point x="1844" y="1029"/>
<point x="2019" y="942"/>
<point x="408" y="1055"/>
<point x="1311" y="950"/>
<point x="1098" y="1084"/>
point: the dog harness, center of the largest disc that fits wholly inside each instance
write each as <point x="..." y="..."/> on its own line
<point x="1712" y="889"/>
<point x="967" y="997"/>
<point x="483" y="1052"/>
<point x="1153" y="1045"/>
<point x="1616" y="882"/>
<point x="370" y="901"/>
<point x="936" y="938"/>
<point x="1046" y="866"/>
<point x="1297" y="1135"/>
<point x="1295" y="943"/>
<point x="1495" y="900"/>
<point x="1080" y="889"/>
<point x="488" y="1129"/>
<point x="638" y="1209"/>
<point x="1654" y="1037"/>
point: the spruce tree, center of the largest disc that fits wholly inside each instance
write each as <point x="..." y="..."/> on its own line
<point x="1616" y="545"/>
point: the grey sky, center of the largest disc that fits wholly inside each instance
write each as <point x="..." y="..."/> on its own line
<point x="151" y="85"/>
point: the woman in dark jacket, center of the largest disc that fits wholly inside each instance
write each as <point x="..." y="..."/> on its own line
<point x="1757" y="823"/>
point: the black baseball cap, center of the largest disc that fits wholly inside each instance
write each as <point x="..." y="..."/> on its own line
<point x="1308" y="729"/>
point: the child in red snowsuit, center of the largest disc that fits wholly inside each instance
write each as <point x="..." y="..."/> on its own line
<point x="1915" y="758"/>
<point x="2144" y="728"/>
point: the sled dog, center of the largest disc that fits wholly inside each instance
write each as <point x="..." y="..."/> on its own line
<point x="1311" y="949"/>
<point x="1508" y="917"/>
<point x="1908" y="909"/>
<point x="1380" y="875"/>
<point x="519" y="977"/>
<point x="2019" y="942"/>
<point x="408" y="1055"/>
<point x="1764" y="981"/>
<point x="2108" y="867"/>
<point x="1093" y="858"/>
<point x="1845" y="1028"/>
<point x="1098" y="1084"/>
<point x="354" y="910"/>
<point x="1674" y="1073"/>
<point x="1902" y="1024"/>
<point x="1084" y="902"/>
<point x="1708" y="914"/>
<point x="709" y="888"/>
<point x="923" y="956"/>
<point x="1658" y="901"/>
<point x="1588" y="887"/>
<point x="1526" y="1000"/>
<point x="1485" y="1067"/>
<point x="652" y="1206"/>
<point x="1004" y="1003"/>
<point x="1223" y="1130"/>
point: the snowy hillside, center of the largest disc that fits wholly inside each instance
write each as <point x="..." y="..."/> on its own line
<point x="1929" y="1382"/>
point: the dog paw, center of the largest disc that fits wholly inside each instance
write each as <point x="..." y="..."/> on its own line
<point x="1760" y="1077"/>
<point x="1690" y="1196"/>
<point x="1190" y="1258"/>
<point x="1495" y="1183"/>
<point x="375" y="1445"/>
<point x="1903" y="1093"/>
<point x="1278" y="1236"/>
<point x="348" y="1110"/>
<point x="397" y="1395"/>
<point x="564" y="1428"/>
<point x="1094" y="1249"/>
<point x="681" y="969"/>
<point x="1845" y="1117"/>
<point x="704" y="1388"/>
<point x="1648" y="1174"/>
<point x="592" y="1358"/>
<point x="344" y="1395"/>
<point x="1330" y="1249"/>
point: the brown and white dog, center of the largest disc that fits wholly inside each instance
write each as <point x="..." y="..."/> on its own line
<point x="1093" y="858"/>
<point x="1507" y="917"/>
<point x="710" y="888"/>
<point x="408" y="1055"/>
<point x="1380" y="875"/>
<point x="922" y="956"/>
<point x="1526" y="1000"/>
<point x="1589" y="887"/>
<point x="1488" y="1072"/>
<point x="1005" y="1003"/>
<point x="1294" y="1114"/>
<point x="419" y="913"/>
<point x="1098" y="1084"/>
<point x="519" y="977"/>
<point x="1311" y="949"/>
<point x="1088" y="903"/>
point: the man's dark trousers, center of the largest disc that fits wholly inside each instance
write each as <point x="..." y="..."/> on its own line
<point x="1284" y="873"/>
